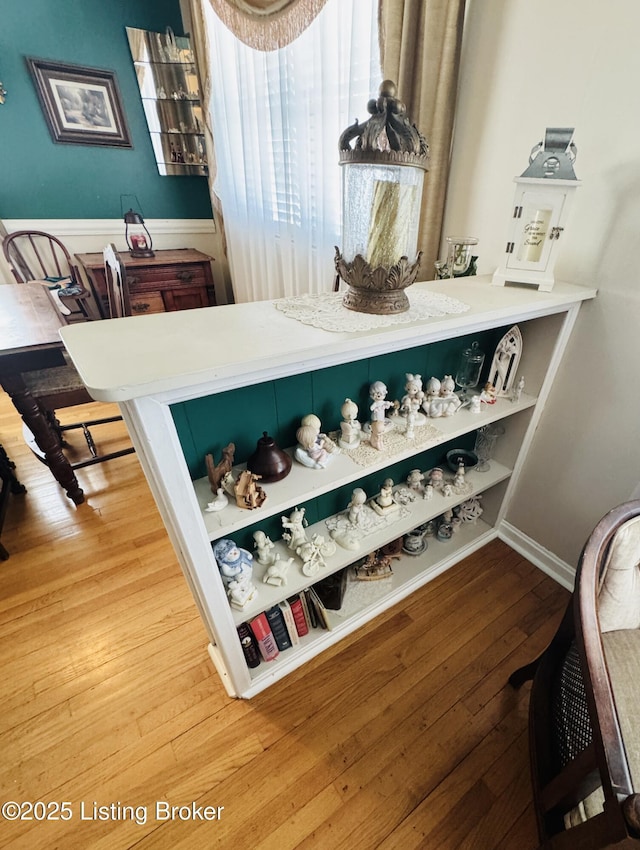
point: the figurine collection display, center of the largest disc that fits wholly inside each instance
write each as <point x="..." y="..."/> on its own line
<point x="316" y="449"/>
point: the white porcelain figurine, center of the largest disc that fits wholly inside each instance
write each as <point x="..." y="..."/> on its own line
<point x="294" y="528"/>
<point x="378" y="408"/>
<point x="314" y="448"/>
<point x="350" y="428"/>
<point x="384" y="503"/>
<point x="264" y="546"/>
<point x="236" y="570"/>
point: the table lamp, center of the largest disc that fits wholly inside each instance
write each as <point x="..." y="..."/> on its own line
<point x="137" y="236"/>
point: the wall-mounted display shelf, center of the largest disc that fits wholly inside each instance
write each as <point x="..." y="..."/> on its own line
<point x="169" y="88"/>
<point x="239" y="370"/>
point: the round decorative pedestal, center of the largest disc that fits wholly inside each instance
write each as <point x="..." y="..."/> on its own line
<point x="380" y="303"/>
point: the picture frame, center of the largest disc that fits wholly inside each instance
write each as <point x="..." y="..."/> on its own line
<point x="82" y="106"/>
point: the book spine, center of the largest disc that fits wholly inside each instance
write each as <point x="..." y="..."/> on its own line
<point x="249" y="645"/>
<point x="297" y="609"/>
<point x="321" y="612"/>
<point x="289" y="622"/>
<point x="278" y="627"/>
<point x="263" y="634"/>
<point x="309" y="608"/>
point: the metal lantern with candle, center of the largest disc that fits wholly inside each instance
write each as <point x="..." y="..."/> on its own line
<point x="543" y="197"/>
<point x="383" y="164"/>
<point x="137" y="236"/>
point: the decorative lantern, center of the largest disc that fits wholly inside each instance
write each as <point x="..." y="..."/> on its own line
<point x="382" y="179"/>
<point x="137" y="236"/>
<point x="543" y="197"/>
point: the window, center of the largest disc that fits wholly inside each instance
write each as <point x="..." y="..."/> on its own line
<point x="276" y="120"/>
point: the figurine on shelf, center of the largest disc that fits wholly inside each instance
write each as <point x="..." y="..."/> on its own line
<point x="350" y="428"/>
<point x="248" y="492"/>
<point x="294" y="528"/>
<point x="379" y="403"/>
<point x="447" y="490"/>
<point x="276" y="574"/>
<point x="415" y="481"/>
<point x="475" y="403"/>
<point x="488" y="394"/>
<point x="518" y="389"/>
<point x="432" y="389"/>
<point x="428" y="491"/>
<point x="313" y="552"/>
<point x="436" y="478"/>
<point x="441" y="399"/>
<point x="236" y="570"/>
<point x="220" y="502"/>
<point x="355" y="507"/>
<point x="240" y="592"/>
<point x="216" y="473"/>
<point x="379" y="422"/>
<point x="459" y="481"/>
<point x="264" y="546"/>
<point x="314" y="449"/>
<point x="411" y="403"/>
<point x="384" y="503"/>
<point x="234" y="563"/>
<point x="376" y="566"/>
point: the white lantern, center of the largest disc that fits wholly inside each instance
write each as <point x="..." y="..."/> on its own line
<point x="543" y="198"/>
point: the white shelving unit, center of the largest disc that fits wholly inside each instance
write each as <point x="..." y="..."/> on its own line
<point x="150" y="364"/>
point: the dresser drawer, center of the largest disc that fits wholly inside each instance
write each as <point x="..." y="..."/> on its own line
<point x="163" y="277"/>
<point x="146" y="302"/>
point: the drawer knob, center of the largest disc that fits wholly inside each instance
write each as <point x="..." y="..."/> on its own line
<point x="185" y="277"/>
<point x="139" y="307"/>
<point x="132" y="280"/>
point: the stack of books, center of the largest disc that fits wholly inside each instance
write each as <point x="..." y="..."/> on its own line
<point x="281" y="627"/>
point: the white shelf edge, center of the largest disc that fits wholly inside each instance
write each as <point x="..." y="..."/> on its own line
<point x="302" y="484"/>
<point x="420" y="511"/>
<point x="418" y="571"/>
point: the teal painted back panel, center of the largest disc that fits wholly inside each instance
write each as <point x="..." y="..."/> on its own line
<point x="49" y="180"/>
<point x="240" y="416"/>
<point x="206" y="425"/>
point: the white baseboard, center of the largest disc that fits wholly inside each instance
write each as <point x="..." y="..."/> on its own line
<point x="538" y="555"/>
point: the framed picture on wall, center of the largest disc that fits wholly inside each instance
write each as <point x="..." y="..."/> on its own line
<point x="82" y="106"/>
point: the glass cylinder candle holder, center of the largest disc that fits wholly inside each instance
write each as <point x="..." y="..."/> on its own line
<point x="459" y="254"/>
<point x="469" y="368"/>
<point x="486" y="439"/>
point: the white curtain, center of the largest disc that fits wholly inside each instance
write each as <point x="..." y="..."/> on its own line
<point x="276" y="119"/>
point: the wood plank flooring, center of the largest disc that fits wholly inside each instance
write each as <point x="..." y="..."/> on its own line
<point x="406" y="735"/>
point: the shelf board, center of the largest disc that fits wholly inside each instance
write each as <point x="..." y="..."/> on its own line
<point x="303" y="484"/>
<point x="415" y="513"/>
<point x="409" y="574"/>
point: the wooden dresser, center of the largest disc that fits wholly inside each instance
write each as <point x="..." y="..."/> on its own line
<point x="179" y="279"/>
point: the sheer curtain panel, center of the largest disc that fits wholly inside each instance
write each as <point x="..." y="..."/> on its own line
<point x="276" y="118"/>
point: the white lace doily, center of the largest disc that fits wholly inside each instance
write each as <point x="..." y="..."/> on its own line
<point x="325" y="311"/>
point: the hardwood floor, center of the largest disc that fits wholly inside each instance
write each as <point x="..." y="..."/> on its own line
<point x="404" y="736"/>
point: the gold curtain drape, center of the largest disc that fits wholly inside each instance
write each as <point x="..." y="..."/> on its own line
<point x="420" y="42"/>
<point x="267" y="24"/>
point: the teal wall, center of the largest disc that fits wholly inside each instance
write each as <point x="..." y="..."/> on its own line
<point x="42" y="179"/>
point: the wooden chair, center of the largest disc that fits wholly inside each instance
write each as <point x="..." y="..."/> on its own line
<point x="38" y="256"/>
<point x="584" y="715"/>
<point x="115" y="274"/>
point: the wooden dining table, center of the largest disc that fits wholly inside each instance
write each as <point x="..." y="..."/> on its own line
<point x="29" y="340"/>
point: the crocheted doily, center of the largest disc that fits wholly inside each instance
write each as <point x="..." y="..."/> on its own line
<point x="325" y="311"/>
